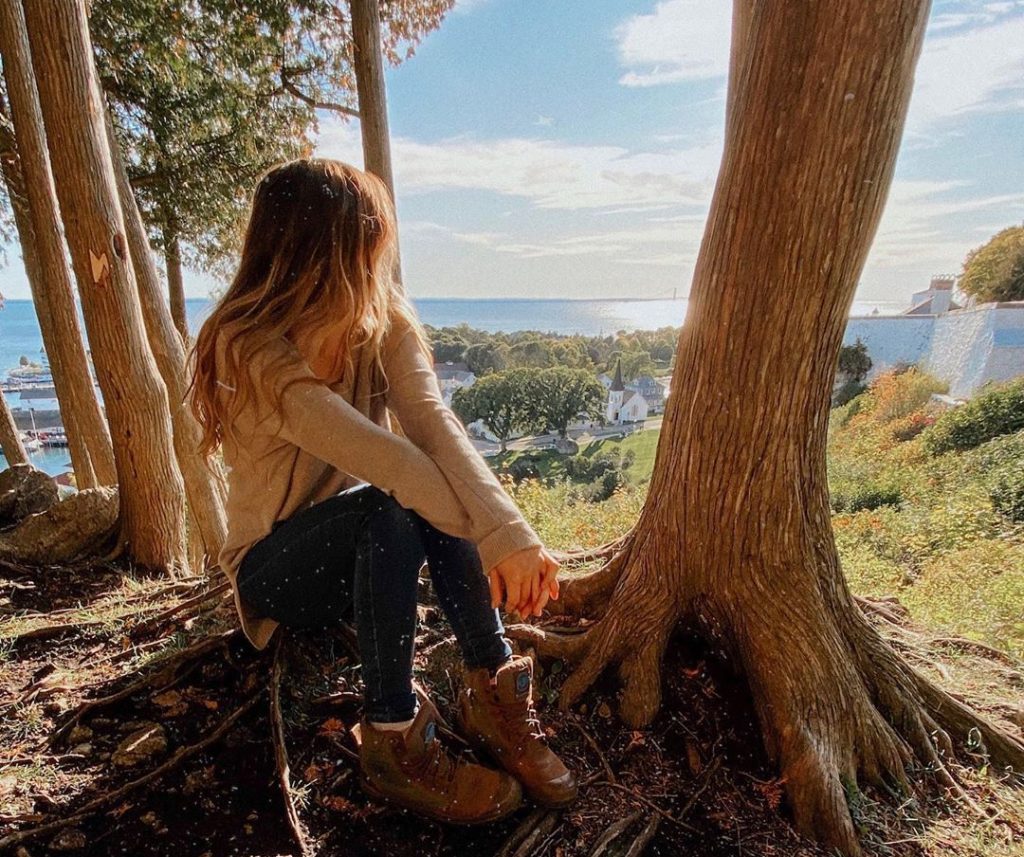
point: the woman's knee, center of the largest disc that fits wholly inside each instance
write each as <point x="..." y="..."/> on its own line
<point x="385" y="509"/>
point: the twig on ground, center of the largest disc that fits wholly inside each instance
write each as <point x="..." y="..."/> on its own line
<point x="44" y="632"/>
<point x="339" y="697"/>
<point x="709" y="772"/>
<point x="632" y="793"/>
<point x="118" y="793"/>
<point x="281" y="752"/>
<point x="37" y="760"/>
<point x="172" y="612"/>
<point x="977" y="648"/>
<point x="594" y="746"/>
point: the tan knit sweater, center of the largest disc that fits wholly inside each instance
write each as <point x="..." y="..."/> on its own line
<point x="331" y="437"/>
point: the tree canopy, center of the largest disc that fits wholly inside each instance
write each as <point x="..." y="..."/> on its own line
<point x="995" y="271"/>
<point x="206" y="94"/>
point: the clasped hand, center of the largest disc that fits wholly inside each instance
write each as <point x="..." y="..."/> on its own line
<point x="525" y="581"/>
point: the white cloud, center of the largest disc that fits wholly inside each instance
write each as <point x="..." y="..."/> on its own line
<point x="927" y="225"/>
<point x="549" y="174"/>
<point x="980" y="69"/>
<point x="973" y="57"/>
<point x="679" y="40"/>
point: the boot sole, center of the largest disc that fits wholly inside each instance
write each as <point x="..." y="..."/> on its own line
<point x="497" y="815"/>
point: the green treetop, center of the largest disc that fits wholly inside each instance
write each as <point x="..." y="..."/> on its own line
<point x="995" y="271"/>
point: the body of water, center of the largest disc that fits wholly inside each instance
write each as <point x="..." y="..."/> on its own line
<point x="52" y="461"/>
<point x="19" y="329"/>
<point x="20" y="336"/>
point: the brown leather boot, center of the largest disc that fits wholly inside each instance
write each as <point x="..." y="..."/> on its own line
<point x="414" y="770"/>
<point x="497" y="716"/>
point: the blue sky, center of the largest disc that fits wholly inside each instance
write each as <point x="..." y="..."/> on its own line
<point x="568" y="148"/>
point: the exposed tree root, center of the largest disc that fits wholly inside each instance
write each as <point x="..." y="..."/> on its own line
<point x="532" y="828"/>
<point x="281" y="753"/>
<point x="613" y="832"/>
<point x="644" y="837"/>
<point x="962" y="721"/>
<point x="587" y="594"/>
<point x="837" y="707"/>
<point x="167" y="674"/>
<point x="587" y="555"/>
<point x="975" y="648"/>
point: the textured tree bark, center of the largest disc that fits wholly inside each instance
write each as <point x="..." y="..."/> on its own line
<point x="175" y="283"/>
<point x="10" y="440"/>
<point x="736" y="537"/>
<point x="373" y="99"/>
<point x="10" y="166"/>
<point x="150" y="485"/>
<point x="204" y="480"/>
<point x="35" y="209"/>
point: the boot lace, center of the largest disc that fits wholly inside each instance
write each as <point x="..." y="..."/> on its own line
<point x="522" y="717"/>
<point x="436" y="766"/>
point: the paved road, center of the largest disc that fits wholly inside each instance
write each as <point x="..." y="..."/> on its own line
<point x="547" y="441"/>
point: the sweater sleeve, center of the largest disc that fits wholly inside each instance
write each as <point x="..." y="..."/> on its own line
<point x="496" y="525"/>
<point x="311" y="416"/>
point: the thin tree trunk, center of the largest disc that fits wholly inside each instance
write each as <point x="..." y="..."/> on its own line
<point x="150" y="485"/>
<point x="10" y="166"/>
<point x="175" y="282"/>
<point x="10" y="438"/>
<point x="38" y="223"/>
<point x="372" y="93"/>
<point x="204" y="479"/>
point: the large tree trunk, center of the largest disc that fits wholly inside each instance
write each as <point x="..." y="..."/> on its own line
<point x="175" y="282"/>
<point x="204" y="479"/>
<point x="151" y="489"/>
<point x="10" y="439"/>
<point x="28" y="177"/>
<point x="736" y="536"/>
<point x="373" y="100"/>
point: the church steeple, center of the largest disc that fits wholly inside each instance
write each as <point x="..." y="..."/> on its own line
<point x="617" y="385"/>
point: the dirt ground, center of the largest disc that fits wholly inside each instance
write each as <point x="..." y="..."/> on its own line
<point x="128" y="729"/>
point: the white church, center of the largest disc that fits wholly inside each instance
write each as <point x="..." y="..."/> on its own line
<point x="624" y="406"/>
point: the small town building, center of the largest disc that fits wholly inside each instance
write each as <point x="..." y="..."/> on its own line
<point x="624" y="405"/>
<point x="452" y="376"/>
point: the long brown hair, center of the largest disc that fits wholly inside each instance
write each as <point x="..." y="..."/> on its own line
<point x="319" y="252"/>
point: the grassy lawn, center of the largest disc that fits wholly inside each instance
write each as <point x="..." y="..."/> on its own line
<point x="551" y="464"/>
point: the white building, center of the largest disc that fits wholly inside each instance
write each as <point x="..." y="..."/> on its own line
<point x="624" y="406"/>
<point x="967" y="347"/>
<point x="452" y="376"/>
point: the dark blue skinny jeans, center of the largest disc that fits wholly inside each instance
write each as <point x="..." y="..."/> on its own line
<point x="360" y="553"/>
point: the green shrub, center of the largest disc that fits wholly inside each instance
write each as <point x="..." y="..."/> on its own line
<point x="524" y="467"/>
<point x="999" y="411"/>
<point x="847" y="392"/>
<point x="1008" y="495"/>
<point x="842" y="414"/>
<point x="864" y="496"/>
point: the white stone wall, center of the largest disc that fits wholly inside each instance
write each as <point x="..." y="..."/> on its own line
<point x="891" y="339"/>
<point x="961" y="345"/>
<point x="965" y="348"/>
